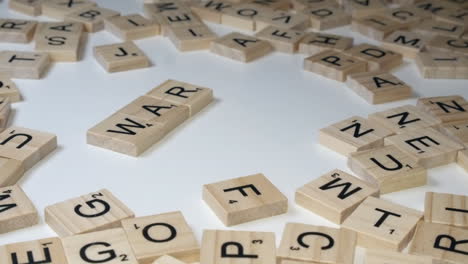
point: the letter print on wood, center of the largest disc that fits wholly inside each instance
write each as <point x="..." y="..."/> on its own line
<point x="240" y="47"/>
<point x="334" y="65"/>
<point x="16" y="210"/>
<point x="334" y="195"/>
<point x="383" y="225"/>
<point x="131" y="27"/>
<point x="47" y="250"/>
<point x="165" y="234"/>
<point x="445" y="108"/>
<point x="244" y="199"/>
<point x="24" y="65"/>
<point x="16" y="31"/>
<point x="91" y="212"/>
<point x="377" y="58"/>
<point x="447" y="209"/>
<point x="238" y="247"/>
<point x="60" y="9"/>
<point x="121" y="57"/>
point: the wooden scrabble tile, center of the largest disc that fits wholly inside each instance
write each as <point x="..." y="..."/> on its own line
<point x="150" y="109"/>
<point x="382" y="224"/>
<point x="442" y="65"/>
<point x="16" y="210"/>
<point x="282" y="40"/>
<point x="64" y="28"/>
<point x="60" y="47"/>
<point x="334" y="195"/>
<point x="121" y="57"/>
<point x="314" y="43"/>
<point x="242" y="16"/>
<point x="359" y="8"/>
<point x="60" y="9"/>
<point x="211" y="10"/>
<point x="317" y="244"/>
<point x="448" y="44"/>
<point x="407" y="15"/>
<point x="272" y="4"/>
<point x="197" y="37"/>
<point x="404" y="118"/>
<point x="165" y="234"/>
<point x="173" y="19"/>
<point x="282" y="19"/>
<point x="409" y="44"/>
<point x="427" y="146"/>
<point x="379" y="87"/>
<point x="240" y="47"/>
<point x="88" y="213"/>
<point x="457" y="131"/>
<point x="155" y="9"/>
<point x="375" y="26"/>
<point x="445" y="108"/>
<point x="26" y="7"/>
<point x="244" y="199"/>
<point x="109" y="246"/>
<point x="131" y="27"/>
<point x="167" y="260"/>
<point x="432" y="28"/>
<point x="433" y="6"/>
<point x="447" y="209"/>
<point x="10" y="171"/>
<point x="455" y="16"/>
<point x="238" y="247"/>
<point x="440" y="242"/>
<point x="300" y="5"/>
<point x="26" y="145"/>
<point x="92" y="17"/>
<point x="8" y="89"/>
<point x="5" y="107"/>
<point x="23" y="64"/>
<point x="16" y="31"/>
<point x="180" y="93"/>
<point x="327" y="17"/>
<point x="462" y="159"/>
<point x="353" y="134"/>
<point x="37" y="251"/>
<point x="388" y="168"/>
<point x="374" y="256"/>
<point x="334" y="65"/>
<point x="377" y="58"/>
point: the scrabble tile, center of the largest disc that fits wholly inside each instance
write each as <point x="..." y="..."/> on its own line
<point x="242" y="16"/>
<point x="57" y="40"/>
<point x="334" y="65"/>
<point x="165" y="234"/>
<point x="10" y="171"/>
<point x="457" y="131"/>
<point x="353" y="134"/>
<point x="60" y="9"/>
<point x="282" y="19"/>
<point x="406" y="15"/>
<point x="379" y="87"/>
<point x="440" y="242"/>
<point x="314" y="43"/>
<point x="23" y="64"/>
<point x="211" y="10"/>
<point x="237" y="247"/>
<point x="36" y="251"/>
<point x="359" y="8"/>
<point x="8" y="89"/>
<point x="282" y="40"/>
<point x="427" y="146"/>
<point x="167" y="260"/>
<point x="455" y="16"/>
<point x="88" y="213"/>
<point x="244" y="199"/>
<point x="92" y="17"/>
<point x="409" y="44"/>
<point x="272" y="4"/>
<point x="374" y="256"/>
<point x="432" y="6"/>
<point x="26" y="7"/>
<point x="26" y="145"/>
<point x="5" y="107"/>
<point x="109" y="246"/>
<point x="375" y="26"/>
<point x="447" y="209"/>
<point x="442" y="65"/>
<point x="380" y="224"/>
<point x="173" y="19"/>
<point x="131" y="27"/>
<point x="190" y="38"/>
<point x="388" y="168"/>
<point x="121" y="57"/>
<point x="16" y="210"/>
<point x="173" y="8"/>
<point x="240" y="47"/>
<point x="432" y="28"/>
<point x="377" y="58"/>
<point x="317" y="244"/>
<point x="64" y="28"/>
<point x="462" y="159"/>
<point x="180" y="93"/>
<point x="16" y="31"/>
<point x="300" y="5"/>
<point x="445" y="108"/>
<point x="327" y="17"/>
<point x="448" y="44"/>
<point x="404" y="118"/>
<point x="334" y="195"/>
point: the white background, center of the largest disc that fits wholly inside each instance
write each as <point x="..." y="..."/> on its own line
<point x="265" y="119"/>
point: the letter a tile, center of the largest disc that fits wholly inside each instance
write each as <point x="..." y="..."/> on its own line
<point x="240" y="47"/>
<point x="244" y="199"/>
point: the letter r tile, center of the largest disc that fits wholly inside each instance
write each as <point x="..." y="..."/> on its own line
<point x="244" y="199"/>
